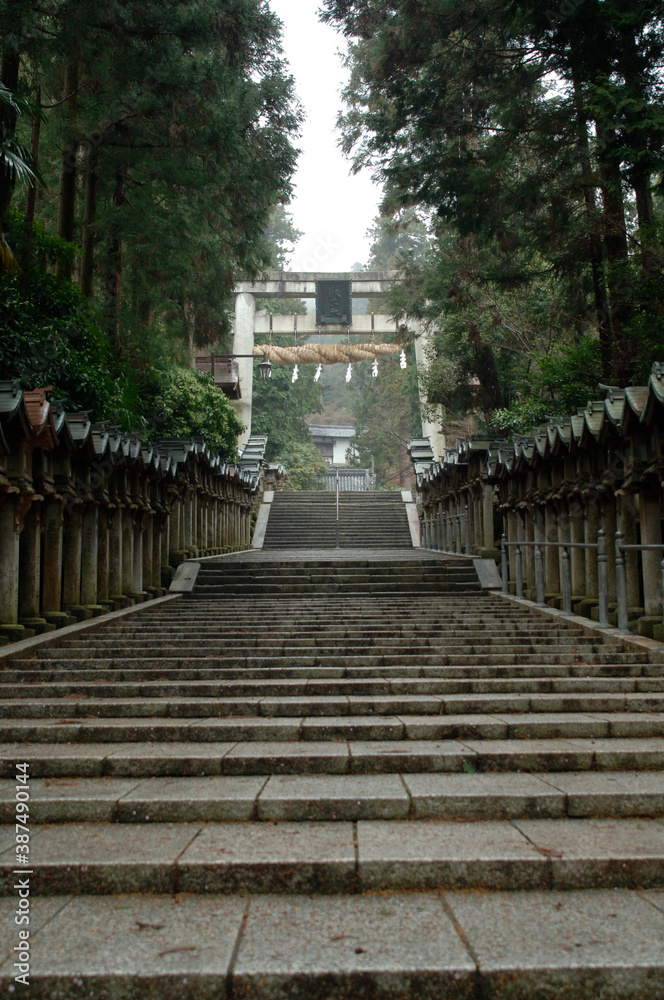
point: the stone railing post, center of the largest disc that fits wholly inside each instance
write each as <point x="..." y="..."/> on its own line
<point x="71" y="577"/>
<point x="621" y="585"/>
<point x="651" y="534"/>
<point x="9" y="549"/>
<point x="511" y="521"/>
<point x="504" y="564"/>
<point x="551" y="555"/>
<point x="487" y="516"/>
<point x="602" y="579"/>
<point x="128" y="553"/>
<point x="89" y="554"/>
<point x="627" y="521"/>
<point x="578" y="556"/>
<point x="531" y="579"/>
<point x="592" y="528"/>
<point x="115" y="536"/>
<point x="566" y="570"/>
<point x="137" y="590"/>
<point x="52" y="574"/>
<point x="519" y="571"/>
<point x="539" y="576"/>
<point x="188" y="511"/>
<point x="564" y="537"/>
<point x="148" y="553"/>
<point x="103" y="555"/>
<point x="609" y="526"/>
<point x="30" y="570"/>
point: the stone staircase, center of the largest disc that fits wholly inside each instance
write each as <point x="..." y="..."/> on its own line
<point x="320" y="578"/>
<point x="345" y="779"/>
<point x="308" y="520"/>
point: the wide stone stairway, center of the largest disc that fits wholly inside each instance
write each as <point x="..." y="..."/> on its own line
<point x="308" y="520"/>
<point x="331" y="777"/>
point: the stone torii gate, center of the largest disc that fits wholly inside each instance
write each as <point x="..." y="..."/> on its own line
<point x="293" y="285"/>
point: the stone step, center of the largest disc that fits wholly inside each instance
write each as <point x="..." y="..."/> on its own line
<point x="636" y="677"/>
<point x="99" y="670"/>
<point x="320" y="580"/>
<point x="354" y="590"/>
<point x="458" y="945"/>
<point x="360" y="539"/>
<point x="309" y="634"/>
<point x="206" y="631"/>
<point x="125" y="646"/>
<point x="342" y="857"/>
<point x="349" y="648"/>
<point x="322" y="659"/>
<point x="385" y="745"/>
<point x="79" y="706"/>
<point x="464" y="607"/>
<point x="335" y="623"/>
<point x="354" y="531"/>
<point x="461" y="583"/>
<point x="360" y="636"/>
<point x="398" y="760"/>
<point x="333" y="798"/>
<point x="215" y="688"/>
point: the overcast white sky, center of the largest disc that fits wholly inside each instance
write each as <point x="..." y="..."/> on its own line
<point x="333" y="209"/>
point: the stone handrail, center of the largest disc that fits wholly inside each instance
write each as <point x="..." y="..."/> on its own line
<point x="93" y="519"/>
<point x="601" y="468"/>
<point x="444" y="532"/>
<point x="566" y="548"/>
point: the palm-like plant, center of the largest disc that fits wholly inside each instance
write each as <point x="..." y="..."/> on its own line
<point x="16" y="161"/>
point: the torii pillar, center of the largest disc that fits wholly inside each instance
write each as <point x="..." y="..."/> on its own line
<point x="432" y="429"/>
<point x="243" y="344"/>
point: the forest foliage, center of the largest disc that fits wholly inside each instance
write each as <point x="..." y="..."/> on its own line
<point x="528" y="140"/>
<point x="159" y="137"/>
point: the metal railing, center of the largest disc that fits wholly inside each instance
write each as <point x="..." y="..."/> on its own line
<point x="448" y="533"/>
<point x="566" y="571"/>
<point x="350" y="480"/>
<point x="337" y="486"/>
<point x="621" y="578"/>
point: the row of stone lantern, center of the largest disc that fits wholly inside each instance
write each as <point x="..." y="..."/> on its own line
<point x="93" y="519"/>
<point x="600" y="469"/>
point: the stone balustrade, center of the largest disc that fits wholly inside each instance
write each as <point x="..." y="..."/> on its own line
<point x="93" y="519"/>
<point x="602" y="468"/>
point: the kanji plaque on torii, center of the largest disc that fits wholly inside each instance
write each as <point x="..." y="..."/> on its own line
<point x="333" y="302"/>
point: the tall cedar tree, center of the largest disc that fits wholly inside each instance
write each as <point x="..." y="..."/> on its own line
<point x="523" y="126"/>
<point x="167" y="142"/>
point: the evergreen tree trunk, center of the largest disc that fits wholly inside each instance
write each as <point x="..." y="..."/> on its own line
<point x="615" y="244"/>
<point x="189" y="317"/>
<point x="89" y="213"/>
<point x="641" y="182"/>
<point x="595" y="243"/>
<point x="30" y="205"/>
<point x="114" y="268"/>
<point x="68" y="170"/>
<point x="640" y="177"/>
<point x="113" y="292"/>
<point x="486" y="370"/>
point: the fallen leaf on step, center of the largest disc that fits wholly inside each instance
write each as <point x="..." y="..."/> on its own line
<point x="549" y="852"/>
